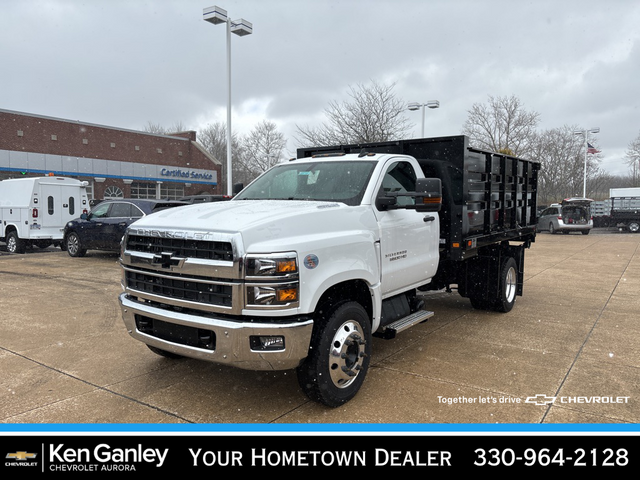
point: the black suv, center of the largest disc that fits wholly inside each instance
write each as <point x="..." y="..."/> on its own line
<point x="104" y="226"/>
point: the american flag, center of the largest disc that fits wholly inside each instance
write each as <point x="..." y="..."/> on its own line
<point x="592" y="149"/>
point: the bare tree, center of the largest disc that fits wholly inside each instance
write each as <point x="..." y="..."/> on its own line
<point x="501" y="125"/>
<point x="263" y="147"/>
<point x="561" y="154"/>
<point x="213" y="138"/>
<point x="151" y="127"/>
<point x="373" y="114"/>
<point x="633" y="159"/>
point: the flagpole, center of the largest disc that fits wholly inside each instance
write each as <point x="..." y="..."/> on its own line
<point x="586" y="151"/>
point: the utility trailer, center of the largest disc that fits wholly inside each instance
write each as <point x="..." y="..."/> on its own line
<point x="34" y="210"/>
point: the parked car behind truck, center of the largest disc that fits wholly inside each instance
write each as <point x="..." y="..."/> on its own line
<point x="319" y="254"/>
<point x="104" y="226"/>
<point x="572" y="215"/>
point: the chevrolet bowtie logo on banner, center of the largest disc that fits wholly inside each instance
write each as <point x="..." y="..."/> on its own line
<point x="21" y="456"/>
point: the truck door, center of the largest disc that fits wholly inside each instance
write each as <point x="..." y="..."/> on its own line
<point x="50" y="207"/>
<point x="408" y="239"/>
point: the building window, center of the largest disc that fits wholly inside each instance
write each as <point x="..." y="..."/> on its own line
<point x="85" y="141"/>
<point x="20" y="133"/>
<point x="113" y="145"/>
<point x="113" y="192"/>
<point x="54" y="137"/>
<point x="143" y="190"/>
<point x="172" y="191"/>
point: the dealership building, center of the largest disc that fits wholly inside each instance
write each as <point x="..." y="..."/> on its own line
<point x="115" y="162"/>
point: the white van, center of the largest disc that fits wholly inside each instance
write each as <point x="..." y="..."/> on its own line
<point x="34" y="210"/>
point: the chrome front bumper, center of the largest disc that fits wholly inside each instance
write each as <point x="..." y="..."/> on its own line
<point x="232" y="338"/>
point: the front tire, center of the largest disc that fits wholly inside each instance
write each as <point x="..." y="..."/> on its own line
<point x="74" y="245"/>
<point x="552" y="229"/>
<point x="339" y="355"/>
<point x="15" y="244"/>
<point x="634" y="227"/>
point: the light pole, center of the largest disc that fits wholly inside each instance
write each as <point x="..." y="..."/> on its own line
<point x="417" y="106"/>
<point x="241" y="27"/>
<point x="586" y="151"/>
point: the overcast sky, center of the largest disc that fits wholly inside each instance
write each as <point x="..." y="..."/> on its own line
<point x="126" y="63"/>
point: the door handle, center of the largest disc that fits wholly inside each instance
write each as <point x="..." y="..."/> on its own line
<point x="428" y="218"/>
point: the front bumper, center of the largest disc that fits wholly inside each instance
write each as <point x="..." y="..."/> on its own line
<point x="229" y="341"/>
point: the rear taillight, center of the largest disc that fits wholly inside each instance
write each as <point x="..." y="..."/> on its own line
<point x="34" y="213"/>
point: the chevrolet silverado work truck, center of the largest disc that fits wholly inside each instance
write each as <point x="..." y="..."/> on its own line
<point x="318" y="255"/>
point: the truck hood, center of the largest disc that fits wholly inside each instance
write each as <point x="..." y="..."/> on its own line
<point x="270" y="224"/>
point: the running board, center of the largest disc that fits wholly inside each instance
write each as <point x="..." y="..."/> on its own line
<point x="389" y="331"/>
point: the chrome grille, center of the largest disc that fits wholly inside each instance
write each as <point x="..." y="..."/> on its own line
<point x="182" y="247"/>
<point x="180" y="288"/>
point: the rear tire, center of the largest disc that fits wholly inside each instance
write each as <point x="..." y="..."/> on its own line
<point x="339" y="355"/>
<point x="508" y="286"/>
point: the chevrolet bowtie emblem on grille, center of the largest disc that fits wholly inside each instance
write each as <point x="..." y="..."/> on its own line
<point x="167" y="260"/>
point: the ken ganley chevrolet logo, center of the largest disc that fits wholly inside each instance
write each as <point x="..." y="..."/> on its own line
<point x="547" y="400"/>
<point x="20" y="459"/>
<point x="103" y="457"/>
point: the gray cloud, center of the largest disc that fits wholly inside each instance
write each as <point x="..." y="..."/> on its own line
<point x="125" y="63"/>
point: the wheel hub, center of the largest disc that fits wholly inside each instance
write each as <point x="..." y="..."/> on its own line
<point x="347" y="354"/>
<point x="511" y="283"/>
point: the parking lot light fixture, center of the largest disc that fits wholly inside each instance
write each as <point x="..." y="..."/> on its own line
<point x="241" y="27"/>
<point x="586" y="133"/>
<point x="417" y="106"/>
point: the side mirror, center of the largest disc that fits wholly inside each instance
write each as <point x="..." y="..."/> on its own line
<point x="428" y="195"/>
<point x="84" y="216"/>
<point x="386" y="203"/>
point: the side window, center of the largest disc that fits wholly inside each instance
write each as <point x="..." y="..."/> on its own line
<point x="120" y="210"/>
<point x="400" y="178"/>
<point x="50" y="205"/>
<point x="136" y="212"/>
<point x="72" y="206"/>
<point x="101" y="210"/>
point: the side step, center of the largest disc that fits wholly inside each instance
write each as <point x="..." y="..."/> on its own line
<point x="390" y="331"/>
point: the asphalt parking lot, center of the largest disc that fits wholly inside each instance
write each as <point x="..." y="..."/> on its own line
<point x="567" y="353"/>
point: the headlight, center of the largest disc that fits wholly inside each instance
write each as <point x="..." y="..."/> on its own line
<point x="283" y="265"/>
<point x="272" y="280"/>
<point x="263" y="295"/>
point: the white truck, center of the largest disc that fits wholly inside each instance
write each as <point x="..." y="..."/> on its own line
<point x="625" y="208"/>
<point x="319" y="254"/>
<point x="34" y="210"/>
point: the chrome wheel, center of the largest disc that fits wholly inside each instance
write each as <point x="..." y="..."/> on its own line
<point x="511" y="285"/>
<point x="339" y="354"/>
<point x="347" y="354"/>
<point x="74" y="246"/>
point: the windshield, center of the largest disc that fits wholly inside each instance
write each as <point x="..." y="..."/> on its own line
<point x="324" y="181"/>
